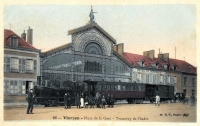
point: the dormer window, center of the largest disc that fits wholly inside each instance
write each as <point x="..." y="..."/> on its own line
<point x="154" y="65"/>
<point x="174" y="67"/>
<point x="14" y="41"/>
<point x="141" y="63"/>
<point x="166" y="66"/>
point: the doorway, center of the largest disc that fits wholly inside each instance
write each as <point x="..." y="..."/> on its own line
<point x="28" y="86"/>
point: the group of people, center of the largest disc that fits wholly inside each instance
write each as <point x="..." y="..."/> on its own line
<point x="192" y="98"/>
<point x="89" y="101"/>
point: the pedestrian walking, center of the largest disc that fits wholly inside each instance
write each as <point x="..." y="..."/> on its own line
<point x="30" y="100"/>
<point x="157" y="100"/>
<point x="65" y="100"/>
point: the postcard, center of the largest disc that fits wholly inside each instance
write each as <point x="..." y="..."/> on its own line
<point x="120" y="63"/>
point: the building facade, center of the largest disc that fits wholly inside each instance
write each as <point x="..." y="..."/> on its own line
<point x="21" y="66"/>
<point x="94" y="55"/>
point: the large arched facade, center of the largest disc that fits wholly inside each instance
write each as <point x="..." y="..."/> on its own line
<point x="89" y="58"/>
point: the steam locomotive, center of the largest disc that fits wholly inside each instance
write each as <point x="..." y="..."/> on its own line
<point x="132" y="92"/>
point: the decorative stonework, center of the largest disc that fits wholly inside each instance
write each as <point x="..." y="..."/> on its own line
<point x="84" y="38"/>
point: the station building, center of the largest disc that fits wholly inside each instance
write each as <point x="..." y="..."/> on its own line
<point x="94" y="56"/>
<point x="21" y="65"/>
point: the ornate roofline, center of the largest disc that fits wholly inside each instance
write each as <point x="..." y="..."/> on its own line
<point x="90" y="25"/>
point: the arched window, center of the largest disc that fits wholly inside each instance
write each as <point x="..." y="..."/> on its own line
<point x="93" y="48"/>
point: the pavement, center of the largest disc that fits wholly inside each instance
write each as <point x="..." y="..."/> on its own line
<point x="174" y="112"/>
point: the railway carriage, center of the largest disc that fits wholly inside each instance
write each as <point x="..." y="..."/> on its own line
<point x="132" y="92"/>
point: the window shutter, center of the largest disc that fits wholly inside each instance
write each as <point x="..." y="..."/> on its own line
<point x="15" y="87"/>
<point x="23" y="65"/>
<point x="11" y="86"/>
<point x="16" y="42"/>
<point x="24" y="87"/>
<point x="35" y="66"/>
<point x="5" y="60"/>
<point x="20" y="65"/>
<point x="165" y="79"/>
<point x="8" y="64"/>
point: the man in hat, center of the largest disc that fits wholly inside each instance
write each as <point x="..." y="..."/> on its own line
<point x="30" y="100"/>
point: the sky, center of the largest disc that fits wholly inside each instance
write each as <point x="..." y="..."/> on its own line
<point x="139" y="27"/>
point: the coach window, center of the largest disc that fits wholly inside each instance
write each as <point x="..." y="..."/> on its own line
<point x="131" y="87"/>
<point x="99" y="87"/>
<point x="142" y="88"/>
<point x="119" y="87"/>
<point x="116" y="87"/>
<point x="105" y="86"/>
<point x="102" y="86"/>
<point x="123" y="87"/>
<point x="111" y="87"/>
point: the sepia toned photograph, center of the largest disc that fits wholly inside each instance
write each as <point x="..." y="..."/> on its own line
<point x="132" y="63"/>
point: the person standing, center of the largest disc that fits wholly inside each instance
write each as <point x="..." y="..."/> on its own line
<point x="30" y="100"/>
<point x="86" y="101"/>
<point x="68" y="101"/>
<point x="157" y="100"/>
<point x="109" y="101"/>
<point x="82" y="101"/>
<point x="77" y="100"/>
<point x="192" y="100"/>
<point x="65" y="100"/>
<point x="112" y="100"/>
<point x="103" y="102"/>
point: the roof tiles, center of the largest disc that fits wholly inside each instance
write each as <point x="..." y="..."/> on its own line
<point x="181" y="65"/>
<point x="21" y="42"/>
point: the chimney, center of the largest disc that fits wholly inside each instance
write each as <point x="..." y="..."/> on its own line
<point x="23" y="35"/>
<point x="149" y="54"/>
<point x="30" y="36"/>
<point x="164" y="56"/>
<point x="119" y="48"/>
